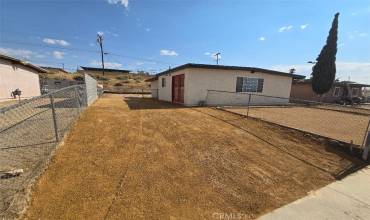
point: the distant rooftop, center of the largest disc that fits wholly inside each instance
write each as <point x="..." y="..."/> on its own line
<point x="23" y="63"/>
<point x="105" y="69"/>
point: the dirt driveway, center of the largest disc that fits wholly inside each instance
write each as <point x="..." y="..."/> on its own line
<point x="143" y="159"/>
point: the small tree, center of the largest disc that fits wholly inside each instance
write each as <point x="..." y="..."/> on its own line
<point x="323" y="73"/>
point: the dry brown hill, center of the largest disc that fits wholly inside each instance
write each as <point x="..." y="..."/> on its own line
<point x="112" y="81"/>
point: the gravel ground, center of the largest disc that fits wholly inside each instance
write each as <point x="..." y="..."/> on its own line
<point x="337" y="125"/>
<point x="134" y="158"/>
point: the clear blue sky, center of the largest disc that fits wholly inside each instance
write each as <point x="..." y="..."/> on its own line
<point x="151" y="35"/>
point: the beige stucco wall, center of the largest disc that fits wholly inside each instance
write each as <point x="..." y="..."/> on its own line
<point x="165" y="93"/>
<point x="225" y="80"/>
<point x="13" y="76"/>
<point x="199" y="81"/>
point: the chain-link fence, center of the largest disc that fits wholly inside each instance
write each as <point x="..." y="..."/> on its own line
<point x="29" y="132"/>
<point x="347" y="124"/>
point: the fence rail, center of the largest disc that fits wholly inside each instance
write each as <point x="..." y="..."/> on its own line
<point x="29" y="132"/>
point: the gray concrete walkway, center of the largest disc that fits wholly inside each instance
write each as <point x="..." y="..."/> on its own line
<point x="345" y="199"/>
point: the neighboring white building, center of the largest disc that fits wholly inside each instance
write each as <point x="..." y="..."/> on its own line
<point x="197" y="84"/>
<point x="16" y="74"/>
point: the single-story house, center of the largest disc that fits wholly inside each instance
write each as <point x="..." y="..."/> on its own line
<point x="17" y="74"/>
<point x="198" y="84"/>
<point x="302" y="89"/>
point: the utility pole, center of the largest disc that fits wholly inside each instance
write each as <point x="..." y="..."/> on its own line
<point x="100" y="42"/>
<point x="217" y="54"/>
<point x="63" y="65"/>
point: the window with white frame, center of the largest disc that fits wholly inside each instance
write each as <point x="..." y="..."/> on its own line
<point x="247" y="84"/>
<point x="163" y="82"/>
<point x="336" y="91"/>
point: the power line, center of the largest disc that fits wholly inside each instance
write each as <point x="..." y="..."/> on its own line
<point x="89" y="51"/>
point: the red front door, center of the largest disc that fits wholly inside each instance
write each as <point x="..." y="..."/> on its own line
<point x="178" y="88"/>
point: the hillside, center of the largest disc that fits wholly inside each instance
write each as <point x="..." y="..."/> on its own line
<point x="122" y="82"/>
<point x="114" y="82"/>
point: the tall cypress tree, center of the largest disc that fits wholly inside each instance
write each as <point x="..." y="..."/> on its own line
<point x="323" y="73"/>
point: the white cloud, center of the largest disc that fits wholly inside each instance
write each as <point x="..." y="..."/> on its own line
<point x="164" y="52"/>
<point x="363" y="34"/>
<point x="207" y="53"/>
<point x="40" y="56"/>
<point x="20" y="53"/>
<point x="356" y="34"/>
<point x="121" y="2"/>
<point x="357" y="71"/>
<point x="148" y="29"/>
<point x="109" y="65"/>
<point x="303" y="26"/>
<point x="56" y="42"/>
<point x="262" y="38"/>
<point x="58" y="55"/>
<point x="285" y="28"/>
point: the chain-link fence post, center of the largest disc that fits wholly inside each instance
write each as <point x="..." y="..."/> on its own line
<point x="77" y="99"/>
<point x="366" y="143"/>
<point x="249" y="102"/>
<point x="54" y="117"/>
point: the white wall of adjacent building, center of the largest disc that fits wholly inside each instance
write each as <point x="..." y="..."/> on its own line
<point x="16" y="76"/>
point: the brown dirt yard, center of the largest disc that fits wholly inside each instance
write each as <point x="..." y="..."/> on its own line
<point x="135" y="158"/>
<point x="343" y="126"/>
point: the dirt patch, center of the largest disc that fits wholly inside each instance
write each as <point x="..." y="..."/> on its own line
<point x="138" y="158"/>
<point x="337" y="125"/>
<point x="4" y="104"/>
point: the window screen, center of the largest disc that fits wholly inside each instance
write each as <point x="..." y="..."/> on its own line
<point x="246" y="84"/>
<point x="163" y="82"/>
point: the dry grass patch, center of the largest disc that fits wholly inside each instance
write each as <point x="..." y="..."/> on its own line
<point x="136" y="158"/>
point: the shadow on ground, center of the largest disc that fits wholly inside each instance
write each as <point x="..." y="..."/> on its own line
<point x="137" y="103"/>
<point x="245" y="124"/>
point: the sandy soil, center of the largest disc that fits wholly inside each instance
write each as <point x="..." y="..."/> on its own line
<point x="4" y="104"/>
<point x="359" y="109"/>
<point x="143" y="159"/>
<point x="336" y="125"/>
